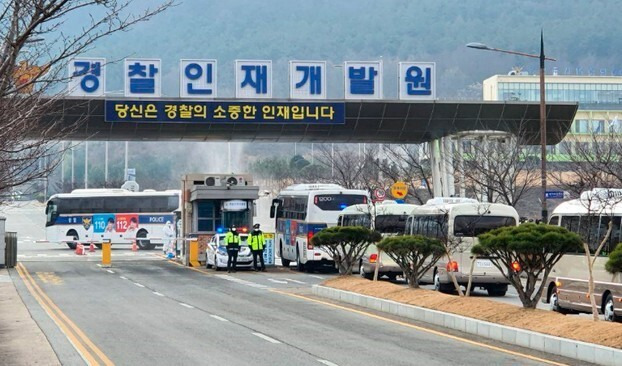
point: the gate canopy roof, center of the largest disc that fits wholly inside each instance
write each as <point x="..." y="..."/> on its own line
<point x="385" y="121"/>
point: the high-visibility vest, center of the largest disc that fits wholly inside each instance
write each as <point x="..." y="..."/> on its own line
<point x="256" y="240"/>
<point x="232" y="239"/>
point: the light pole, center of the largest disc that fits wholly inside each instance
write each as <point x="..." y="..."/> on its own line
<point x="481" y="46"/>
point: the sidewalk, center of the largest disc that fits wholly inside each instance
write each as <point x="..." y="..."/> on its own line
<point x="21" y="340"/>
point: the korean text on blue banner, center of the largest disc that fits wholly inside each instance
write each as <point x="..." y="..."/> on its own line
<point x="224" y="112"/>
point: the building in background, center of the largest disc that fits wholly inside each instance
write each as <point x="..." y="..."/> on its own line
<point x="599" y="97"/>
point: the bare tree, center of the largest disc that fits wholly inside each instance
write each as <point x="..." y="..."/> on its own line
<point x="500" y="167"/>
<point x="348" y="167"/>
<point x="34" y="51"/>
<point x="410" y="164"/>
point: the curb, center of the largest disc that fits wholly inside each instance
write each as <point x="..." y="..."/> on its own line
<point x="524" y="338"/>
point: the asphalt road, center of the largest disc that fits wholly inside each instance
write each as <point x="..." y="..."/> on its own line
<point x="147" y="310"/>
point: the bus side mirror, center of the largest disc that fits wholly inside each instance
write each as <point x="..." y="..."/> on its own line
<point x="274" y="207"/>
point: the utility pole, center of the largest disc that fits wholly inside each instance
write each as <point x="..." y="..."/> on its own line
<point x="86" y="165"/>
<point x="126" y="158"/>
<point x="106" y="166"/>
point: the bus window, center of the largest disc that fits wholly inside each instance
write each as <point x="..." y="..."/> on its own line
<point x="471" y="226"/>
<point x="571" y="223"/>
<point x="394" y="224"/>
<point x="51" y="213"/>
<point x="337" y="202"/>
<point x="554" y="220"/>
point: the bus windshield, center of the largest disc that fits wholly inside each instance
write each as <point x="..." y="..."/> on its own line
<point x="474" y="225"/>
<point x="391" y="224"/>
<point x="337" y="202"/>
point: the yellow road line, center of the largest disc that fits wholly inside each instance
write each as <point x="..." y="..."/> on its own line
<point x="70" y="323"/>
<point x="431" y="331"/>
<point x="86" y="355"/>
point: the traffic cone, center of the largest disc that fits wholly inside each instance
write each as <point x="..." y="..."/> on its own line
<point x="92" y="248"/>
<point x="134" y="246"/>
<point x="76" y="250"/>
<point x="80" y="249"/>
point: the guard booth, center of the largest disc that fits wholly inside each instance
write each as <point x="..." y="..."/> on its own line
<point x="212" y="203"/>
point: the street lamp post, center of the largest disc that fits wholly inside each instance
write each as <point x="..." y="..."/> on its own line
<point x="543" y="174"/>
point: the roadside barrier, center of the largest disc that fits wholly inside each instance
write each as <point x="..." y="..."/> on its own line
<point x="106" y="257"/>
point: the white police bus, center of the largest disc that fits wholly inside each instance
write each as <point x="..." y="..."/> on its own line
<point x="301" y="211"/>
<point x="118" y="215"/>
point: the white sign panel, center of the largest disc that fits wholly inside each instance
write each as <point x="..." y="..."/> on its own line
<point x="234" y="205"/>
<point x="363" y="79"/>
<point x="143" y="77"/>
<point x="197" y="78"/>
<point x="417" y="80"/>
<point x="87" y="77"/>
<point x="307" y="79"/>
<point x="253" y="79"/>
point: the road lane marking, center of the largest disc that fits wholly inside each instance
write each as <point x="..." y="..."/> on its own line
<point x="327" y="363"/>
<point x="219" y="318"/>
<point x="138" y="284"/>
<point x="241" y="282"/>
<point x="80" y="348"/>
<point x="157" y="293"/>
<point x="422" y="329"/>
<point x="123" y="277"/>
<point x="269" y="339"/>
<point x="295" y="281"/>
<point x="186" y="305"/>
<point x="318" y="277"/>
<point x="66" y="323"/>
<point x="109" y="271"/>
<point x="276" y="281"/>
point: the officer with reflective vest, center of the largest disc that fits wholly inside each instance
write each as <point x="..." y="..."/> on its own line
<point x="232" y="242"/>
<point x="256" y="242"/>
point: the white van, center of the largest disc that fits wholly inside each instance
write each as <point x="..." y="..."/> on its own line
<point x="459" y="221"/>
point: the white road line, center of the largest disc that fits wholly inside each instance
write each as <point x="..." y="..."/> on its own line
<point x="295" y="281"/>
<point x="157" y="293"/>
<point x="269" y="339"/>
<point x="109" y="271"/>
<point x="186" y="305"/>
<point x="42" y="255"/>
<point x="219" y="318"/>
<point x="123" y="278"/>
<point x="327" y="363"/>
<point x="314" y="276"/>
<point x="98" y="265"/>
<point x="138" y="284"/>
<point x="64" y="255"/>
<point x="276" y="281"/>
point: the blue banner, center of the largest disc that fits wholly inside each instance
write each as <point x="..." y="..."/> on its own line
<point x="224" y="112"/>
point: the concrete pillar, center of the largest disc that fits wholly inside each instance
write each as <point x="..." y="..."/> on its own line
<point x="436" y="171"/>
<point x="449" y="182"/>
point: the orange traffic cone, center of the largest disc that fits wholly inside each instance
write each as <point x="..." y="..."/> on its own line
<point x="80" y="249"/>
<point x="134" y="246"/>
<point x="92" y="248"/>
<point x="77" y="247"/>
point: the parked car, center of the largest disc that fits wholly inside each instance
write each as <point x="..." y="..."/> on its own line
<point x="216" y="253"/>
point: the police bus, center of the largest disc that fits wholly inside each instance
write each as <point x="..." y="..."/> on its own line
<point x="302" y="210"/>
<point x="118" y="215"/>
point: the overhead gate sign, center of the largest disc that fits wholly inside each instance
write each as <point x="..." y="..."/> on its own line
<point x="224" y="112"/>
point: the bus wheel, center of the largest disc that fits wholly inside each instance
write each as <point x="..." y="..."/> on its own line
<point x="143" y="244"/>
<point x="299" y="265"/>
<point x="284" y="262"/>
<point x="364" y="274"/>
<point x="497" y="290"/>
<point x="554" y="302"/>
<point x="440" y="287"/>
<point x="73" y="234"/>
<point x="610" y="315"/>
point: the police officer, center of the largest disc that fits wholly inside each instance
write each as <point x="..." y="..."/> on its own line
<point x="232" y="242"/>
<point x="256" y="241"/>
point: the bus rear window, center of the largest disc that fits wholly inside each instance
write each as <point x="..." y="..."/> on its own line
<point x="467" y="226"/>
<point x="337" y="202"/>
<point x="391" y="224"/>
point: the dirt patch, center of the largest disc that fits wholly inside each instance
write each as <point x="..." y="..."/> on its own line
<point x="542" y="321"/>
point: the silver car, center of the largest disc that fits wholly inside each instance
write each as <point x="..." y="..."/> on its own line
<point x="217" y="256"/>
